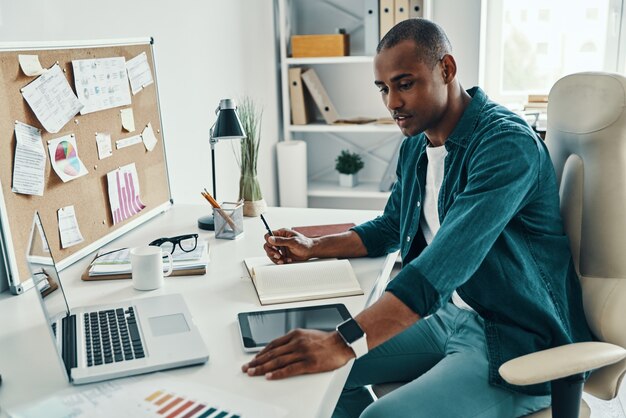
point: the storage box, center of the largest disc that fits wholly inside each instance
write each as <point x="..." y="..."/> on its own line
<point x="320" y="45"/>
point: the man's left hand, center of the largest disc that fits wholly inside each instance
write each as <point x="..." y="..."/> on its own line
<point x="300" y="352"/>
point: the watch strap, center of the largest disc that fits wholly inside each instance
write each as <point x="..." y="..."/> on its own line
<point x="360" y="346"/>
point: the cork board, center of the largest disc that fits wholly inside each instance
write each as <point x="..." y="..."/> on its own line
<point x="89" y="193"/>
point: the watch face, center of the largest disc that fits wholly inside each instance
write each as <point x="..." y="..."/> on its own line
<point x="350" y="330"/>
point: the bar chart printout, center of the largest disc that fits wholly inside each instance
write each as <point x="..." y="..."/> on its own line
<point x="124" y="194"/>
<point x="148" y="397"/>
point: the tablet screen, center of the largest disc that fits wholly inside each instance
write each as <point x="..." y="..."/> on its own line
<point x="261" y="327"/>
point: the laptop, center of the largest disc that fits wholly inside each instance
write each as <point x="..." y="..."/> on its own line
<point x="102" y="342"/>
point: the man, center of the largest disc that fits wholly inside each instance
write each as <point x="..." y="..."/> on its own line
<point x="487" y="274"/>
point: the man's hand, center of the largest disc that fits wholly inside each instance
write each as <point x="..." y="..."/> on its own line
<point x="287" y="246"/>
<point x="300" y="352"/>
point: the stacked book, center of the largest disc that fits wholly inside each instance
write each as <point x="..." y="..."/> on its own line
<point x="115" y="264"/>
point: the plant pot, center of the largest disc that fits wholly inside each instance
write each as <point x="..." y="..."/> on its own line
<point x="254" y="208"/>
<point x="348" y="180"/>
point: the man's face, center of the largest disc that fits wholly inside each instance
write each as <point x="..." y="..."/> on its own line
<point x="415" y="94"/>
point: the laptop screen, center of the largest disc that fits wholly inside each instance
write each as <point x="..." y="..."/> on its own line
<point x="46" y="279"/>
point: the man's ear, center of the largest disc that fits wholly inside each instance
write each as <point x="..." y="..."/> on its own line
<point x="448" y="68"/>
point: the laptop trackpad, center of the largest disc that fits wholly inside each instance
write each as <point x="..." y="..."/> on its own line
<point x="168" y="324"/>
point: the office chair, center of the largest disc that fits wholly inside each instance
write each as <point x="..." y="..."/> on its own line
<point x="587" y="141"/>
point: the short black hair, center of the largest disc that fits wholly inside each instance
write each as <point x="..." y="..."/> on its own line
<point x="431" y="41"/>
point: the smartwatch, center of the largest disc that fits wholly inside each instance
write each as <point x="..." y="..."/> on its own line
<point x="354" y="336"/>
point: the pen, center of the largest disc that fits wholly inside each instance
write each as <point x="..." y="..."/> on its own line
<point x="269" y="231"/>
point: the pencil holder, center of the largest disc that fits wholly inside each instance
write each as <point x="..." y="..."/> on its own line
<point x="228" y="220"/>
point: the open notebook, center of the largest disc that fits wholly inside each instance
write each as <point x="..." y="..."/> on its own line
<point x="295" y="282"/>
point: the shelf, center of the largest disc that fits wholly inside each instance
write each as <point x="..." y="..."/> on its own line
<point x="319" y="127"/>
<point x="333" y="189"/>
<point x="329" y="60"/>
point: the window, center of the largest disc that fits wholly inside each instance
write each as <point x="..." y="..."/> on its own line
<point x="528" y="45"/>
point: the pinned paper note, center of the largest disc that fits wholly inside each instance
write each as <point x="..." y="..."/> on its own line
<point x="30" y="65"/>
<point x="52" y="99"/>
<point x="149" y="140"/>
<point x="68" y="227"/>
<point x="103" y="142"/>
<point x="128" y="120"/>
<point x="30" y="160"/>
<point x="124" y="193"/>
<point x="64" y="158"/>
<point x="127" y="142"/>
<point x="139" y="73"/>
<point x="101" y="83"/>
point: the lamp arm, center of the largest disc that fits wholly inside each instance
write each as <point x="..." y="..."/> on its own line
<point x="213" y="168"/>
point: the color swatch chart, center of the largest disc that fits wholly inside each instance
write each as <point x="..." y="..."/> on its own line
<point x="171" y="405"/>
<point x="148" y="396"/>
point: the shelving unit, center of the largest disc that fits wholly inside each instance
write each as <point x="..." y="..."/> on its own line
<point x="349" y="82"/>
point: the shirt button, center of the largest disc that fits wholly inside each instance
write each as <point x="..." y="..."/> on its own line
<point x="418" y="204"/>
<point x="408" y="238"/>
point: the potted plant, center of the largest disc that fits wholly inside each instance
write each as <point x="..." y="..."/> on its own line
<point x="249" y="189"/>
<point x="348" y="164"/>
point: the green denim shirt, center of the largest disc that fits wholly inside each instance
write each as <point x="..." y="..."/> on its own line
<point x="501" y="243"/>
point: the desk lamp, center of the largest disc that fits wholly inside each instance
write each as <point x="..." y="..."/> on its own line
<point x="227" y="126"/>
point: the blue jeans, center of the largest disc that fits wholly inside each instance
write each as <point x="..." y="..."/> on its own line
<point x="443" y="359"/>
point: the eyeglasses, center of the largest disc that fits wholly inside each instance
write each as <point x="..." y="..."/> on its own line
<point x="187" y="243"/>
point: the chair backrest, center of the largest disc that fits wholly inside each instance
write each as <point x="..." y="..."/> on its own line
<point x="586" y="137"/>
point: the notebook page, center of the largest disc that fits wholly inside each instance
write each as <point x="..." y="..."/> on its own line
<point x="306" y="278"/>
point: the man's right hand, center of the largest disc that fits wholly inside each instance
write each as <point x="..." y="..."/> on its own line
<point x="287" y="246"/>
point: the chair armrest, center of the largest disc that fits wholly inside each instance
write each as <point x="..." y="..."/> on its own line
<point x="558" y="362"/>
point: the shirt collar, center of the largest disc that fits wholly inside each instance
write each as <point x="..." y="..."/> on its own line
<point x="467" y="124"/>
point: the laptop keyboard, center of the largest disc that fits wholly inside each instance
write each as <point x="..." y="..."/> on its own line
<point x="112" y="336"/>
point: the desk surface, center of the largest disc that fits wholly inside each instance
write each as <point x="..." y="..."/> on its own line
<point x="30" y="369"/>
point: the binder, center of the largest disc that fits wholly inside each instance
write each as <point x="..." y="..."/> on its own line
<point x="416" y="8"/>
<point x="320" y="97"/>
<point x="386" y="14"/>
<point x="370" y="24"/>
<point x="299" y="114"/>
<point x="401" y="11"/>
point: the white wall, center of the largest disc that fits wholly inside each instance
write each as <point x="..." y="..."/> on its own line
<point x="461" y="21"/>
<point x="204" y="51"/>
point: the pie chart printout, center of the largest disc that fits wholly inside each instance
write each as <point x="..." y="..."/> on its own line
<point x="64" y="158"/>
<point x="67" y="158"/>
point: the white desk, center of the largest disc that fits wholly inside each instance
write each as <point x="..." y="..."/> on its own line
<point x="27" y="359"/>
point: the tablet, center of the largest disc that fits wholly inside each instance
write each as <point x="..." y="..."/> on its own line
<point x="260" y="327"/>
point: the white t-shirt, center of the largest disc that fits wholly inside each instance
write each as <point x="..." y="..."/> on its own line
<point x="430" y="208"/>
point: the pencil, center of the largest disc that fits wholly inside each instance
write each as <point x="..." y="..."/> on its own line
<point x="212" y="201"/>
<point x="221" y="211"/>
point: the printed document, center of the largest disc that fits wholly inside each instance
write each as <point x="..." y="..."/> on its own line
<point x="139" y="73"/>
<point x="156" y="395"/>
<point x="30" y="161"/>
<point x="123" y="186"/>
<point x="64" y="158"/>
<point x="52" y="100"/>
<point x="127" y="142"/>
<point x="101" y="83"/>
<point x="103" y="142"/>
<point x="68" y="227"/>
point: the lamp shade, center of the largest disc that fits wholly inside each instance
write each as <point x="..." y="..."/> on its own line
<point x="227" y="125"/>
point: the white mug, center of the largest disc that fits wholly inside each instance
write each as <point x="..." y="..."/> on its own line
<point x="147" y="267"/>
